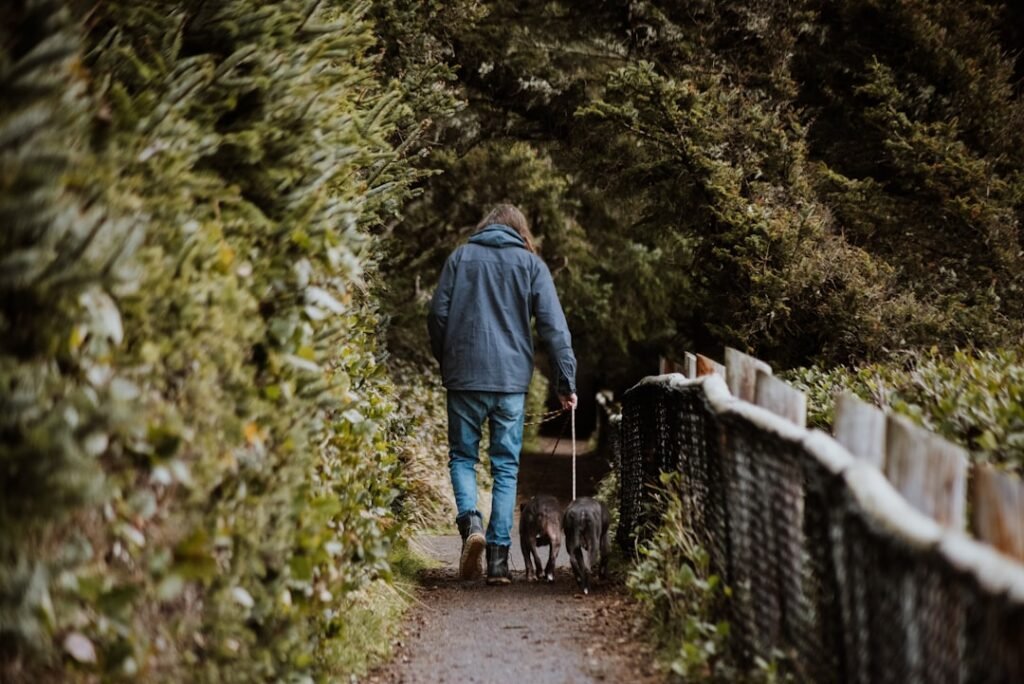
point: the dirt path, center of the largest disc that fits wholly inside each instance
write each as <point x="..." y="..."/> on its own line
<point x="526" y="632"/>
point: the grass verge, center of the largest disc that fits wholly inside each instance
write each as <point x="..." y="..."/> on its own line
<point x="366" y="624"/>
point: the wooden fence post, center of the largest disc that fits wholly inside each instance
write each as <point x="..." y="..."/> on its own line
<point x="667" y="364"/>
<point x="928" y="471"/>
<point x="997" y="510"/>
<point x="781" y="399"/>
<point x="707" y="366"/>
<point x="690" y="363"/>
<point x="860" y="428"/>
<point x="741" y="373"/>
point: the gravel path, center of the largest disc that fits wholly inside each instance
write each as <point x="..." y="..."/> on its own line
<point x="527" y="632"/>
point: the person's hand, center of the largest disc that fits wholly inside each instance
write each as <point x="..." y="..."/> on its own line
<point x="568" y="402"/>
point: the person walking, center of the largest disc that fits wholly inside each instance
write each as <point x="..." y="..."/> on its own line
<point x="480" y="334"/>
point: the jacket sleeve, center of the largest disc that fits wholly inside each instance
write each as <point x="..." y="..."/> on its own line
<point x="437" y="318"/>
<point x="553" y="329"/>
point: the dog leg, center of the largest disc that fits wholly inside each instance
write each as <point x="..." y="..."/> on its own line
<point x="536" y="559"/>
<point x="584" y="557"/>
<point x="524" y="545"/>
<point x="576" y="560"/>
<point x="556" y="546"/>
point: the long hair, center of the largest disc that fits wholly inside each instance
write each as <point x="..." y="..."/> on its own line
<point x="509" y="215"/>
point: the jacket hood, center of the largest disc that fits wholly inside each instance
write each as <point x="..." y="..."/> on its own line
<point x="498" y="235"/>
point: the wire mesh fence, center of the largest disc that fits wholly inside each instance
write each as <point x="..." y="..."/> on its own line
<point x="828" y="566"/>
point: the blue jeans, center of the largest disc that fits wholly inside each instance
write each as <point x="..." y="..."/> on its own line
<point x="467" y="410"/>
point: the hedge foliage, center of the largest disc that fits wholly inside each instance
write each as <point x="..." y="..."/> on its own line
<point x="672" y="582"/>
<point x="973" y="398"/>
<point x="427" y="500"/>
<point x="195" y="457"/>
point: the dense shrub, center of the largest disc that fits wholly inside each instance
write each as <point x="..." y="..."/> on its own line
<point x="427" y="500"/>
<point x="975" y="399"/>
<point x="813" y="181"/>
<point x="683" y="600"/>
<point x="194" y="454"/>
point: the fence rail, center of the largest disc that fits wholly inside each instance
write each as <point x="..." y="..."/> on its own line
<point x="828" y="564"/>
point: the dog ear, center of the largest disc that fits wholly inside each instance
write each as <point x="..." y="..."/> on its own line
<point x="522" y="507"/>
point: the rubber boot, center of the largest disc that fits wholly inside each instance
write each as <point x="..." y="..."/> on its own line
<point x="497" y="565"/>
<point x="471" y="527"/>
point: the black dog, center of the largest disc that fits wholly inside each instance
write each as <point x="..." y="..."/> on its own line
<point x="540" y="524"/>
<point x="585" y="526"/>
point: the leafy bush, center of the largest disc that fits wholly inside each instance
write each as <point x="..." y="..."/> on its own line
<point x="608" y="492"/>
<point x="682" y="599"/>
<point x="818" y="182"/>
<point x="673" y="583"/>
<point x="427" y="501"/>
<point x="973" y="398"/>
<point x="194" y="447"/>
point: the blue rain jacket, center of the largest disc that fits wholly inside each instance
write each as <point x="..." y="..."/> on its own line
<point x="479" y="319"/>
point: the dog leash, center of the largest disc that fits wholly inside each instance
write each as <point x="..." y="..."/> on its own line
<point x="543" y="417"/>
<point x="573" y="453"/>
<point x="561" y="433"/>
<point x="558" y="440"/>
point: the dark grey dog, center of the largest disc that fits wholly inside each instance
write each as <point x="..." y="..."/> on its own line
<point x="540" y="524"/>
<point x="585" y="526"/>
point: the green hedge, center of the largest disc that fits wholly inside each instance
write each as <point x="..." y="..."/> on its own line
<point x="195" y="457"/>
<point x="427" y="500"/>
<point x="975" y="399"/>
